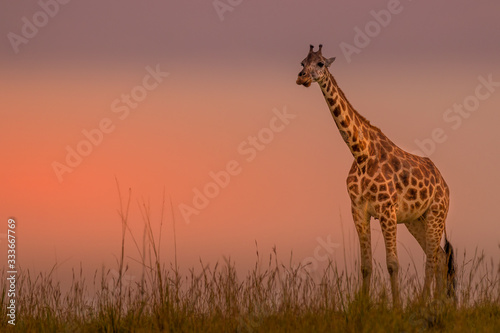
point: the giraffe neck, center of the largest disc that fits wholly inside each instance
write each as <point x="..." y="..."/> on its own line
<point x="356" y="131"/>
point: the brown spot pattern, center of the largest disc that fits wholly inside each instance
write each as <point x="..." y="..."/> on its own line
<point x="388" y="183"/>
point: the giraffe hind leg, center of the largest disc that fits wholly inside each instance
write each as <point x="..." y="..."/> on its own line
<point x="429" y="231"/>
<point x="418" y="231"/>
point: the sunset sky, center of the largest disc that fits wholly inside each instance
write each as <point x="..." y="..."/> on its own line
<point x="190" y="97"/>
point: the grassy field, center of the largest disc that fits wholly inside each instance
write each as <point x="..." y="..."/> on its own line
<point x="271" y="298"/>
<point x="277" y="299"/>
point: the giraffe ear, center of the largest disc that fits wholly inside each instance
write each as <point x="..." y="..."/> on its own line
<point x="329" y="61"/>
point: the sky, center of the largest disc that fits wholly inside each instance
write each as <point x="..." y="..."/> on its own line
<point x="192" y="109"/>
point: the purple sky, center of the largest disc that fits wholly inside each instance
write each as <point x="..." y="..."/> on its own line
<point x="146" y="31"/>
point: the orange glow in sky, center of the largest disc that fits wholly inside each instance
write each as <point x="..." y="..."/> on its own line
<point x="169" y="98"/>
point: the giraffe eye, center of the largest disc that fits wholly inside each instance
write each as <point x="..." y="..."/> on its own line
<point x="302" y="64"/>
<point x="321" y="64"/>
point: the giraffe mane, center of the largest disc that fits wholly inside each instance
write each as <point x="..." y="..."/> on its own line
<point x="366" y="121"/>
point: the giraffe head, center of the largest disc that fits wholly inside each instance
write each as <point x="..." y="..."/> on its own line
<point x="314" y="67"/>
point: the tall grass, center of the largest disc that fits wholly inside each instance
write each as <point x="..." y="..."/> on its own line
<point x="271" y="298"/>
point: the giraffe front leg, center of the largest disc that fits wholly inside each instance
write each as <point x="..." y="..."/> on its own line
<point x="388" y="224"/>
<point x="362" y="223"/>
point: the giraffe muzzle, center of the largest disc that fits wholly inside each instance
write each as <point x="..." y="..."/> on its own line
<point x="304" y="79"/>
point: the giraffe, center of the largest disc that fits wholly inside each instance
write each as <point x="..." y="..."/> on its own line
<point x="389" y="184"/>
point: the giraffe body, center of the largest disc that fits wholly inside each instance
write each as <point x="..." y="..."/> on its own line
<point x="386" y="183"/>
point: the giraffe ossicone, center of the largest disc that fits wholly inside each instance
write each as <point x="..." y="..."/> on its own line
<point x="389" y="184"/>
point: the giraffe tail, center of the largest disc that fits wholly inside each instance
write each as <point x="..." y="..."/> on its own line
<point x="451" y="279"/>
